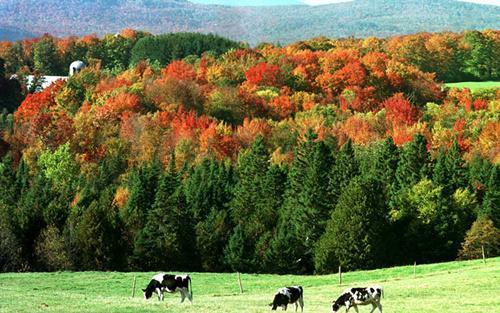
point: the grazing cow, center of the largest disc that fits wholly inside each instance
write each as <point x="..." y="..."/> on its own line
<point x="359" y="296"/>
<point x="170" y="283"/>
<point x="288" y="295"/>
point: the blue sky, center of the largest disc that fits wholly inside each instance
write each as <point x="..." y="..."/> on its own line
<point x="311" y="2"/>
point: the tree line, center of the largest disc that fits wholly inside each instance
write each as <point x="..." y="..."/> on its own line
<point x="453" y="57"/>
<point x="49" y="55"/>
<point x="358" y="207"/>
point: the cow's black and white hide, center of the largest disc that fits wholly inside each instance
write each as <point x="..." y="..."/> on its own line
<point x="170" y="283"/>
<point x="288" y="295"/>
<point x="359" y="296"/>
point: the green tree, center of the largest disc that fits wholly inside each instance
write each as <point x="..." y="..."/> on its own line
<point x="345" y="168"/>
<point x="248" y="206"/>
<point x="142" y="185"/>
<point x="491" y="203"/>
<point x="10" y="247"/>
<point x="238" y="252"/>
<point x="355" y="234"/>
<point x="307" y="201"/>
<point x="97" y="232"/>
<point x="481" y="60"/>
<point x="414" y="162"/>
<point x="46" y="58"/>
<point x="212" y="235"/>
<point x="449" y="170"/>
<point x="168" y="228"/>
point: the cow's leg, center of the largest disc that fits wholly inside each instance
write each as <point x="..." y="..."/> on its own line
<point x="379" y="305"/>
<point x="190" y="296"/>
<point x="373" y="307"/>
<point x="356" y="309"/>
<point x="183" y="295"/>
<point x="301" y="303"/>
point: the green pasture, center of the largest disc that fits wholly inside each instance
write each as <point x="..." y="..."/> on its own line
<point x="469" y="286"/>
<point x="474" y="86"/>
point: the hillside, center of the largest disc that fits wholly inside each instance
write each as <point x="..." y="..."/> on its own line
<point x="437" y="288"/>
<point x="251" y="24"/>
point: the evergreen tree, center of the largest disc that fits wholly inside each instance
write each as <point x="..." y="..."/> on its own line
<point x="29" y="215"/>
<point x="307" y="201"/>
<point x="387" y="162"/>
<point x="248" y="206"/>
<point x="10" y="247"/>
<point x="286" y="252"/>
<point x="414" y="162"/>
<point x="97" y="233"/>
<point x="274" y="185"/>
<point x="142" y="189"/>
<point x="345" y="168"/>
<point x="208" y="192"/>
<point x="212" y="235"/>
<point x="168" y="228"/>
<point x="449" y="170"/>
<point x="356" y="232"/>
<point x="491" y="204"/>
<point x="478" y="173"/>
<point x="238" y="252"/>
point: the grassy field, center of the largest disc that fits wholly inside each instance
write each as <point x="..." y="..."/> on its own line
<point x="474" y="86"/>
<point x="470" y="286"/>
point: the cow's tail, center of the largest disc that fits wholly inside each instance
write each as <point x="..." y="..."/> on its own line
<point x="190" y="287"/>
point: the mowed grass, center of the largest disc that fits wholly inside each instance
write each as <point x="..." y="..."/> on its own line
<point x="469" y="286"/>
<point x="474" y="86"/>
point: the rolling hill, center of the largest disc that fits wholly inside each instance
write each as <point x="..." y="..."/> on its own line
<point x="283" y="24"/>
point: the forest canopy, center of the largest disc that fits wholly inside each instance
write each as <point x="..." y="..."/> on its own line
<point x="266" y="159"/>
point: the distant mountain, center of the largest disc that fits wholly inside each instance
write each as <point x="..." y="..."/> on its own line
<point x="285" y="24"/>
<point x="11" y="33"/>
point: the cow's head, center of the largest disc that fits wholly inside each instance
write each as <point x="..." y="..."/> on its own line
<point x="342" y="300"/>
<point x="280" y="300"/>
<point x="148" y="292"/>
<point x="335" y="307"/>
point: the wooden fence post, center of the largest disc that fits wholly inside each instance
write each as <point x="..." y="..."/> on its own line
<point x="340" y="275"/>
<point x="415" y="269"/>
<point x="239" y="283"/>
<point x="484" y="256"/>
<point x="133" y="287"/>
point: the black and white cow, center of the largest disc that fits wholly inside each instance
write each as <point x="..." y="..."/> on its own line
<point x="288" y="295"/>
<point x="170" y="283"/>
<point x="359" y="296"/>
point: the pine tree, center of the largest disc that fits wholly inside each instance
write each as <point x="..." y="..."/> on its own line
<point x="345" y="168"/>
<point x="274" y="185"/>
<point x="97" y="232"/>
<point x="248" y="206"/>
<point x="10" y="258"/>
<point x="238" y="252"/>
<point x="356" y="232"/>
<point x="414" y="162"/>
<point x="491" y="203"/>
<point x="212" y="235"/>
<point x="414" y="165"/>
<point x="142" y="189"/>
<point x="168" y="228"/>
<point x="307" y="201"/>
<point x="387" y="162"/>
<point x="449" y="170"/>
